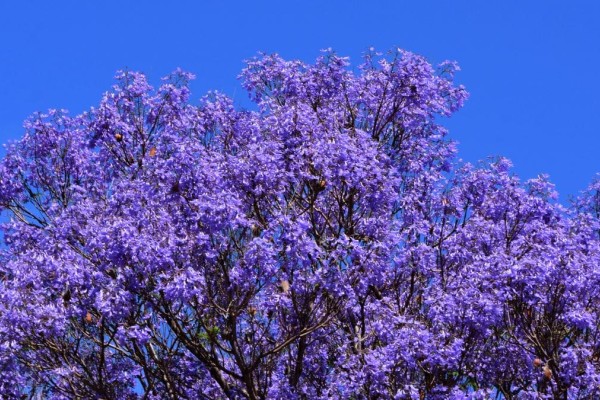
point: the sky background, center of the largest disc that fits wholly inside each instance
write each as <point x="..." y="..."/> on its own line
<point x="532" y="67"/>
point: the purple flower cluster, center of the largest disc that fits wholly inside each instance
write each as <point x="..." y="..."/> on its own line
<point x="326" y="245"/>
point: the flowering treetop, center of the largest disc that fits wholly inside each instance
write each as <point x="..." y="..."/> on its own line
<point x="325" y="245"/>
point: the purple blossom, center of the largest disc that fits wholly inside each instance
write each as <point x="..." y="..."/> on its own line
<point x="326" y="245"/>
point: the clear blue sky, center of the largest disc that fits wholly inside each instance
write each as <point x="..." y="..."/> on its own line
<point x="532" y="67"/>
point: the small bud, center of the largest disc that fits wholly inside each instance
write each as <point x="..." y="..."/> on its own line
<point x="537" y="362"/>
<point x="88" y="317"/>
<point x="547" y="372"/>
<point x="152" y="152"/>
<point x="284" y="286"/>
<point x="118" y="137"/>
<point x="419" y="299"/>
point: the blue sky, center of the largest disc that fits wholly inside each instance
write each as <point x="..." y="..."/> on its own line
<point x="532" y="67"/>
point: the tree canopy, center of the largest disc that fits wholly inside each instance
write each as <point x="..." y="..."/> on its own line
<point x="325" y="244"/>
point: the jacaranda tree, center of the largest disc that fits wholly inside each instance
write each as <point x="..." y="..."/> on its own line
<point x="325" y="244"/>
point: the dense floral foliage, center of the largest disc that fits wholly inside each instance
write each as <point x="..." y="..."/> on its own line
<point x="325" y="245"/>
